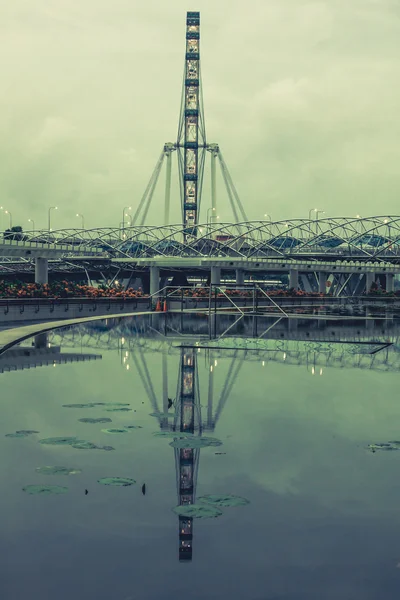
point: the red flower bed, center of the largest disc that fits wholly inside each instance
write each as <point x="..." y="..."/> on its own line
<point x="64" y="289"/>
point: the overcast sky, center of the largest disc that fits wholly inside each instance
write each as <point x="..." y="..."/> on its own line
<point x="303" y="98"/>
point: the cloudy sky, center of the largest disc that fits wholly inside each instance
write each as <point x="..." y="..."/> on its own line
<point x="303" y="98"/>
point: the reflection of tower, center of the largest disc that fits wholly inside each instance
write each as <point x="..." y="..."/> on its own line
<point x="187" y="459"/>
<point x="186" y="419"/>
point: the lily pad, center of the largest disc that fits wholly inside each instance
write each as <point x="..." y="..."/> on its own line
<point x="222" y="501"/>
<point x="16" y="435"/>
<point x="115" y="431"/>
<point x="172" y="434"/>
<point x="122" y="409"/>
<point x="133" y="427"/>
<point x="57" y="471"/>
<point x="197" y="511"/>
<point x="161" y="415"/>
<point x="27" y="431"/>
<point x="114" y="403"/>
<point x="195" y="442"/>
<point x="45" y="490"/>
<point x="83" y="445"/>
<point x="60" y="441"/>
<point x="116" y="481"/>
<point x="99" y="420"/>
<point x="87" y="405"/>
<point x="107" y="448"/>
<point x="387" y="446"/>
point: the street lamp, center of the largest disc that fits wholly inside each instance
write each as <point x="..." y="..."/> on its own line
<point x="310" y="211"/>
<point x="123" y="215"/>
<point x="7" y="212"/>
<point x="33" y="224"/>
<point x="269" y="217"/>
<point x="208" y="219"/>
<point x="50" y="209"/>
<point x="130" y="219"/>
<point x="83" y="220"/>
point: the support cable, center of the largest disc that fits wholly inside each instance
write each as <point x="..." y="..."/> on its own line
<point x="148" y="188"/>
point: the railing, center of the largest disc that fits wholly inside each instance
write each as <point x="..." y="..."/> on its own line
<point x="51" y="304"/>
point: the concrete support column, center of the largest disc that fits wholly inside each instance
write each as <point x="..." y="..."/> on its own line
<point x="215" y="275"/>
<point x="293" y="279"/>
<point x="40" y="340"/>
<point x="41" y="270"/>
<point x="154" y="281"/>
<point x="369" y="280"/>
<point x="322" y="282"/>
<point x="390" y="282"/>
<point x="239" y="277"/>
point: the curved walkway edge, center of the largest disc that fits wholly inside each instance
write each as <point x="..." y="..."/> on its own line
<point x="11" y="337"/>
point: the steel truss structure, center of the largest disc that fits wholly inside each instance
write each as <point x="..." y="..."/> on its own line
<point x="371" y="238"/>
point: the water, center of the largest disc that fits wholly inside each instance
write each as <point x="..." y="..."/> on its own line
<point x="295" y="419"/>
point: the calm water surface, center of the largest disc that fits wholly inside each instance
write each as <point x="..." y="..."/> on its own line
<point x="294" y="418"/>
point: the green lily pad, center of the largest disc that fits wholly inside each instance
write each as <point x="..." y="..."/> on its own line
<point x="87" y="405"/>
<point x="114" y="403"/>
<point x="172" y="434"/>
<point x="26" y="431"/>
<point x="107" y="448"/>
<point x="197" y="511"/>
<point x="195" y="442"/>
<point x="388" y="446"/>
<point x="133" y="427"/>
<point x="45" y="490"/>
<point x="83" y="445"/>
<point x="57" y="471"/>
<point x="161" y="415"/>
<point x="59" y="441"/>
<point x="99" y="420"/>
<point x="115" y="431"/>
<point x="222" y="501"/>
<point x="116" y="481"/>
<point x="122" y="409"/>
<point x="16" y="435"/>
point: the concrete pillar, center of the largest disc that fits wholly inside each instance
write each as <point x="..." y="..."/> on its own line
<point x="322" y="282"/>
<point x="293" y="279"/>
<point x="390" y="282"/>
<point x="215" y="275"/>
<point x="154" y="281"/>
<point x="41" y="270"/>
<point x="40" y="340"/>
<point x="239" y="277"/>
<point x="369" y="280"/>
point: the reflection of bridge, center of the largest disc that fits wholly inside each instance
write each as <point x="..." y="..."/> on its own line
<point x="40" y="354"/>
<point x="338" y="345"/>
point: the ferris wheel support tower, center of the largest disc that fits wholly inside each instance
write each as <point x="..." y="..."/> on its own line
<point x="191" y="147"/>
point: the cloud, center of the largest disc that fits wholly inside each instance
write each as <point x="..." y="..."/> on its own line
<point x="301" y="95"/>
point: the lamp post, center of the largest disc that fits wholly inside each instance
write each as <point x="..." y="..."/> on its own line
<point x="269" y="217"/>
<point x="208" y="219"/>
<point x="7" y="212"/>
<point x="33" y="224"/>
<point x="83" y="220"/>
<point x="318" y="212"/>
<point x="50" y="209"/>
<point x="130" y="219"/>
<point x="123" y="215"/>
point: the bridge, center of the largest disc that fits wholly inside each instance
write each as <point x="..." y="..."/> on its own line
<point x="336" y="255"/>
